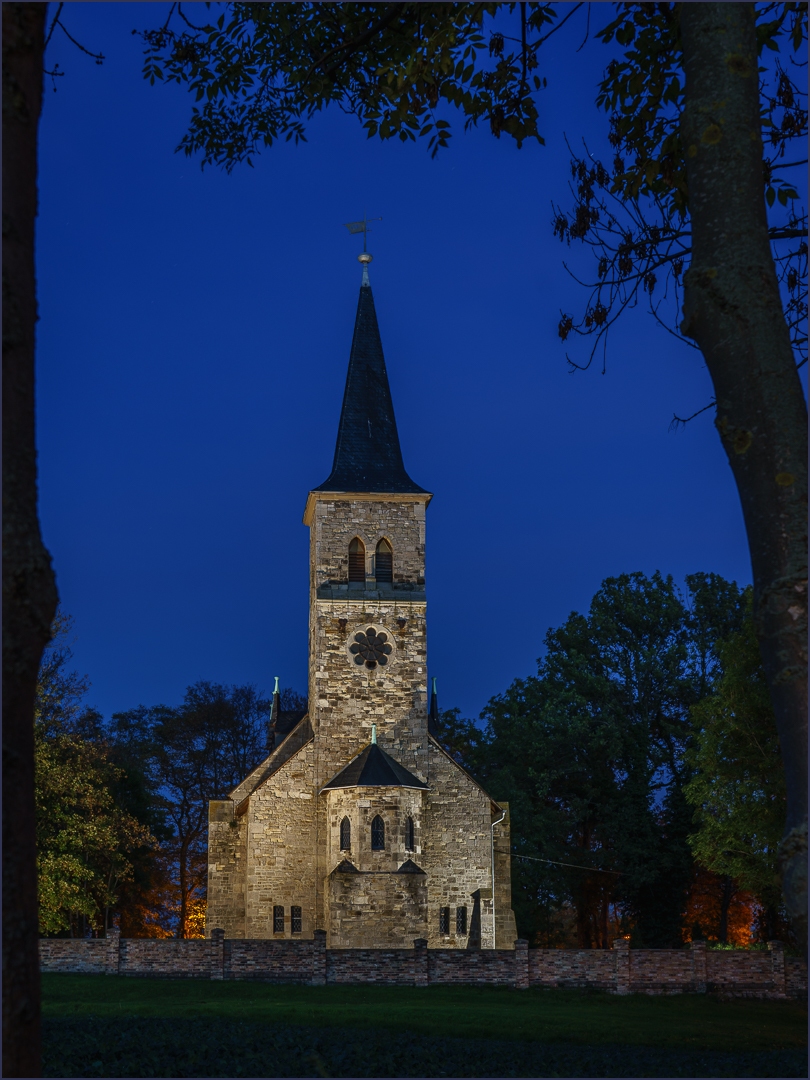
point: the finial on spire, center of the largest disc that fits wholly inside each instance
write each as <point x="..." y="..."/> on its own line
<point x="272" y="727"/>
<point x="374" y="734"/>
<point x="362" y="227"/>
<point x="275" y="688"/>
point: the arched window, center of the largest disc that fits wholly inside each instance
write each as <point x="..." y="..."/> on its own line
<point x="384" y="562"/>
<point x="345" y="835"/>
<point x="357" y="560"/>
<point x="378" y="834"/>
<point x="409" y="844"/>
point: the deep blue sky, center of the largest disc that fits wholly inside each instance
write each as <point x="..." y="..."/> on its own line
<point x="192" y="350"/>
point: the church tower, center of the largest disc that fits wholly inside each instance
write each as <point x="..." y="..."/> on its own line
<point x="359" y="823"/>
<point x="367" y="600"/>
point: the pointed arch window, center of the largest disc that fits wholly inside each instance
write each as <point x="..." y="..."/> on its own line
<point x="378" y="834"/>
<point x="357" y="560"/>
<point x="409" y="844"/>
<point x="345" y="835"/>
<point x="384" y="562"/>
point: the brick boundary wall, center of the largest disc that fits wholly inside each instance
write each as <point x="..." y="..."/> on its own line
<point x="621" y="970"/>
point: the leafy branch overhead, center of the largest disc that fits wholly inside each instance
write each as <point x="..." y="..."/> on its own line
<point x="260" y="71"/>
<point x="634" y="213"/>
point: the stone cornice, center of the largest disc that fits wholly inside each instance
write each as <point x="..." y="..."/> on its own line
<point x="360" y="496"/>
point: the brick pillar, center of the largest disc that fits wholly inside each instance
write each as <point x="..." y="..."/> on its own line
<point x="621" y="948"/>
<point x="777" y="951"/>
<point x="217" y="954"/>
<point x="114" y="950"/>
<point x="421" y="975"/>
<point x="318" y="977"/>
<point x="521" y="964"/>
<point x="698" y="950"/>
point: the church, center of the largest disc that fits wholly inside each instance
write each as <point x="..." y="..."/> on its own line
<point x="358" y="823"/>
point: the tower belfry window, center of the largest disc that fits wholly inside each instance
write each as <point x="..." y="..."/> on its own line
<point x="409" y="844"/>
<point x="357" y="560"/>
<point x="345" y="835"/>
<point x="378" y="834"/>
<point x="384" y="562"/>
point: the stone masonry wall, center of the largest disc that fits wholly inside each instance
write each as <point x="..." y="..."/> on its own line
<point x="281" y="843"/>
<point x="620" y="970"/>
<point x="389" y="967"/>
<point x="457" y="853"/>
<point x="385" y="908"/>
<point x="795" y="978"/>
<point x="96" y="957"/>
<point x="344" y="699"/>
<point x="572" y="967"/>
<point x="399" y="519"/>
<point x="270" y="961"/>
<point x="227" y="859"/>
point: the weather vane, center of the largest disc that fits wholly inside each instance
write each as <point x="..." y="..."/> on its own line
<point x="362" y="227"/>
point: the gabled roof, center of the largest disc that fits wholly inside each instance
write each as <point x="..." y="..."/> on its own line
<point x="374" y="768"/>
<point x="368" y="457"/>
<point x="301" y="734"/>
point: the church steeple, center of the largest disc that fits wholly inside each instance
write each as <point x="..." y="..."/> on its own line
<point x="368" y="457"/>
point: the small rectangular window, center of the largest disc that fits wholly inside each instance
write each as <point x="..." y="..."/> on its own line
<point x="278" y="920"/>
<point x="295" y="920"/>
<point x="444" y="920"/>
<point x="461" y="920"/>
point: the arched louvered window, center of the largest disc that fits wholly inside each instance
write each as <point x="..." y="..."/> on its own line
<point x="378" y="834"/>
<point x="384" y="562"/>
<point x="409" y="844"/>
<point x="345" y="835"/>
<point x="357" y="560"/>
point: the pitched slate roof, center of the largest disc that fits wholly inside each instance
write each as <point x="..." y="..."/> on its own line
<point x="367" y="454"/>
<point x="374" y="768"/>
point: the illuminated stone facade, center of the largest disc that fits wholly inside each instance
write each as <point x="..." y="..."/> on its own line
<point x="280" y="865"/>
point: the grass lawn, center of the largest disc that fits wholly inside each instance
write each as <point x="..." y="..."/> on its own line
<point x="694" y="1021"/>
<point x="97" y="1025"/>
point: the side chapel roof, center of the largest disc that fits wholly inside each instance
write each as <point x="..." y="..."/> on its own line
<point x="368" y="457"/>
<point x="374" y="768"/>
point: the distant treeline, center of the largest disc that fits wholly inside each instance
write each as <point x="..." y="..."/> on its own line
<point x="122" y="804"/>
<point x="641" y="764"/>
<point x="642" y="768"/>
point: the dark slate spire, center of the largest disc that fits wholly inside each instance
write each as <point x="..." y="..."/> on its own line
<point x="367" y="453"/>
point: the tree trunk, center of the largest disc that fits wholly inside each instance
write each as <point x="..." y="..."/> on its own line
<point x="29" y="589"/>
<point x="181" y="926"/>
<point x="733" y="310"/>
<point x="726" y="894"/>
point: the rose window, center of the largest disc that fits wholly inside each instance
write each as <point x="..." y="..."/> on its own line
<point x="370" y="648"/>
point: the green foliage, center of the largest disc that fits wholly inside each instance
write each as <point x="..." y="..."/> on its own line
<point x="591" y="755"/>
<point x="86" y="835"/>
<point x="188" y="755"/>
<point x="738" y="788"/>
<point x="261" y="70"/>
